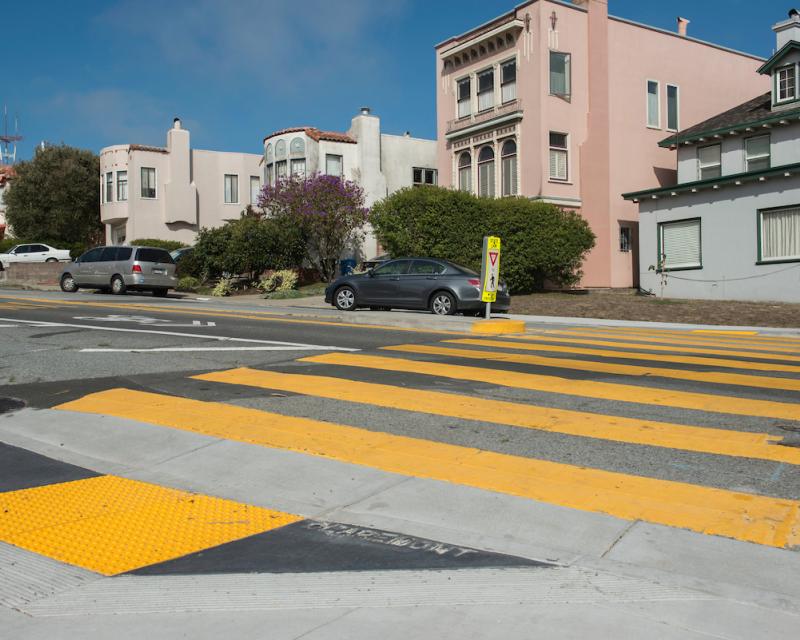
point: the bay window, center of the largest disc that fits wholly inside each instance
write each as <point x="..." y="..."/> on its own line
<point x="464" y="89"/>
<point x="508" y="81"/>
<point x="486" y="90"/>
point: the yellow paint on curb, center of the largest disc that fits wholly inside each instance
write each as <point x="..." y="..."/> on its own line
<point x="576" y="423"/>
<point x="753" y="518"/>
<point x="498" y="327"/>
<point x="112" y="525"/>
<point x="555" y="384"/>
<point x="724" y="332"/>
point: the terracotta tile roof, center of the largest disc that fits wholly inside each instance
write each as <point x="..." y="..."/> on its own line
<point x="756" y="110"/>
<point x="144" y="147"/>
<point x="316" y="134"/>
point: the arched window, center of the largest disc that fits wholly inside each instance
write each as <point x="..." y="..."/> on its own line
<point x="508" y="164"/>
<point x="280" y="149"/>
<point x="465" y="171"/>
<point x="486" y="172"/>
<point x="269" y="152"/>
<point x="297" y="146"/>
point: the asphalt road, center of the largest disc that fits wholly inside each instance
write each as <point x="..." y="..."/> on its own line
<point x="639" y="436"/>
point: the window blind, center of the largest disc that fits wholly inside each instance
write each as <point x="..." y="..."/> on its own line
<point x="780" y="234"/>
<point x="680" y="244"/>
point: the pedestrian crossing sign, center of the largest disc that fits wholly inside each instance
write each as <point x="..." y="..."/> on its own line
<point x="490" y="269"/>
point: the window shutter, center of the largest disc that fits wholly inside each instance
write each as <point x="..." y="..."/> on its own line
<point x="680" y="243"/>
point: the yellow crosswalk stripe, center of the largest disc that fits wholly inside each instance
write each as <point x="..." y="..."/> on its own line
<point x="645" y="344"/>
<point x="633" y="355"/>
<point x="685" y="339"/>
<point x="592" y="425"/>
<point x="754" y="518"/>
<point x="112" y="525"/>
<point x="555" y="384"/>
<point x="763" y="382"/>
<point x="728" y="336"/>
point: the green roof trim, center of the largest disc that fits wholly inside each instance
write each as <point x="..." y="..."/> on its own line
<point x="680" y="138"/>
<point x="748" y="176"/>
<point x="774" y="61"/>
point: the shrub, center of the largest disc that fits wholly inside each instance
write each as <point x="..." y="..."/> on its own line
<point x="223" y="287"/>
<point x="248" y="246"/>
<point x="7" y="243"/>
<point x="284" y="280"/>
<point x="168" y="245"/>
<point x="188" y="283"/>
<point x="541" y="242"/>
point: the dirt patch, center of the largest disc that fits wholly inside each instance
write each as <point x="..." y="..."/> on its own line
<point x="626" y="304"/>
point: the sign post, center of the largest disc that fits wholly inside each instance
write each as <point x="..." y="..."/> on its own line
<point x="490" y="272"/>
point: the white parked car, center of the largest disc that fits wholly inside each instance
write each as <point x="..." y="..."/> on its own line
<point x="34" y="253"/>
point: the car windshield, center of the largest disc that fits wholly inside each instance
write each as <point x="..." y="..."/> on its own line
<point x="463" y="269"/>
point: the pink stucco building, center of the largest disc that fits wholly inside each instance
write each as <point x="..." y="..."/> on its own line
<point x="560" y="102"/>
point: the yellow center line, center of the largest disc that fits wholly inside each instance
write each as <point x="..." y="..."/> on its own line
<point x="764" y="344"/>
<point x="555" y="384"/>
<point x="592" y="425"/>
<point x="632" y="355"/>
<point x="762" y="382"/>
<point x="265" y="316"/>
<point x="633" y="343"/>
<point x="759" y="519"/>
<point x="112" y="525"/>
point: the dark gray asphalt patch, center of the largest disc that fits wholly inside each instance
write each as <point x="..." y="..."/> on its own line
<point x="312" y="546"/>
<point x="7" y="405"/>
<point x="21" y="469"/>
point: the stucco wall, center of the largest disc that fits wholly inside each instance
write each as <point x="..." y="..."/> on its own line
<point x="729" y="243"/>
<point x="400" y="154"/>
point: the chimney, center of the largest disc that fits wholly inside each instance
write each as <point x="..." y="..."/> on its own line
<point x="788" y="30"/>
<point x="176" y="123"/>
<point x="365" y="111"/>
<point x="682" y="24"/>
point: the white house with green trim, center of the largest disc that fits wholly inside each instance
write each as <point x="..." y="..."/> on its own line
<point x="730" y="227"/>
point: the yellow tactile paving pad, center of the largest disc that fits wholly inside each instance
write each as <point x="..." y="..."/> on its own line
<point x="112" y="525"/>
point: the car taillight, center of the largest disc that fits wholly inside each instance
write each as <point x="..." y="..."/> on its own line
<point x="474" y="282"/>
<point x="136" y="269"/>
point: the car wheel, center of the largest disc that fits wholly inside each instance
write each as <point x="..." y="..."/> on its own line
<point x="51" y="260"/>
<point x="68" y="283"/>
<point x="443" y="303"/>
<point x="118" y="286"/>
<point x="160" y="293"/>
<point x="345" y="299"/>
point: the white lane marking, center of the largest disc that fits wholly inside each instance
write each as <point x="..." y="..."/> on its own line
<point x="180" y="334"/>
<point x="309" y="347"/>
<point x="8" y="326"/>
<point x="145" y="320"/>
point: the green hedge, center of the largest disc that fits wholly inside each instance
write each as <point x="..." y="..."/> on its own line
<point x="169" y="245"/>
<point x="541" y="243"/>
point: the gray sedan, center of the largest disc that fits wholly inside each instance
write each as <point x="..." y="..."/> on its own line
<point x="441" y="286"/>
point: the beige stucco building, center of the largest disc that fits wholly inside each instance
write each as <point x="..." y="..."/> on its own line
<point x="172" y="192"/>
<point x="380" y="163"/>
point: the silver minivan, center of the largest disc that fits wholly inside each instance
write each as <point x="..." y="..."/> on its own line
<point x="121" y="268"/>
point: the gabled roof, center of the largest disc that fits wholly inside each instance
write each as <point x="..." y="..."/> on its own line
<point x="316" y="134"/>
<point x="776" y="58"/>
<point x="755" y="112"/>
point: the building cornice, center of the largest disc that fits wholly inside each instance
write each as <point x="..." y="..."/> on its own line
<point x="735" y="179"/>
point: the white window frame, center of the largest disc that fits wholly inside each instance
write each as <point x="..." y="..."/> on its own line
<point x="119" y="197"/>
<point x="647" y="103"/>
<point x="292" y="167"/>
<point x="225" y="188"/>
<point x="254" y="200"/>
<point x="341" y="164"/>
<point x="748" y="158"/>
<point x="285" y="165"/>
<point x="512" y="85"/>
<point x="491" y="91"/>
<point x="109" y="186"/>
<point x="565" y="151"/>
<point x="491" y="184"/>
<point x="701" y="166"/>
<point x="567" y="74"/>
<point x="686" y="265"/>
<point x="677" y="106"/>
<point x="155" y="183"/>
<point x="425" y="171"/>
<point x="467" y="102"/>
<point x="509" y="168"/>
<point x="761" y="237"/>
<point x="793" y="97"/>
<point x="467" y="169"/>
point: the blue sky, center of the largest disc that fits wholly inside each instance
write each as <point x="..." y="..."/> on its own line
<point x="94" y="73"/>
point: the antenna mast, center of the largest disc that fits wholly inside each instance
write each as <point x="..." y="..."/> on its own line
<point x="8" y="142"/>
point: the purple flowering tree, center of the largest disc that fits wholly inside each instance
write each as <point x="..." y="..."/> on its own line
<point x="329" y="209"/>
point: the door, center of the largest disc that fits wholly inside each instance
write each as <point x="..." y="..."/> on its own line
<point x="422" y="280"/>
<point x="383" y="287"/>
<point x="83" y="270"/>
<point x="23" y="253"/>
<point x="38" y="253"/>
<point x="104" y="267"/>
